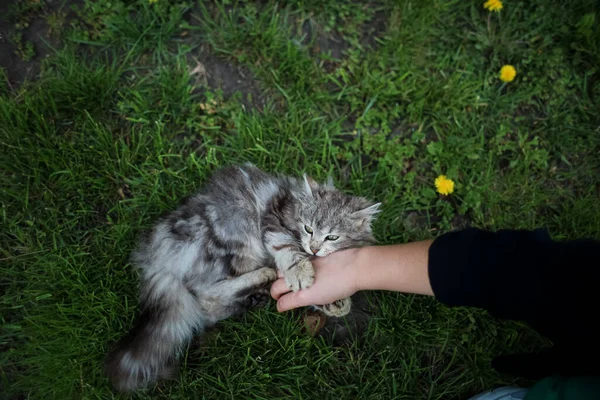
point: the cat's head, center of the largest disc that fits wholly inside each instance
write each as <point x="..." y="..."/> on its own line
<point x="330" y="220"/>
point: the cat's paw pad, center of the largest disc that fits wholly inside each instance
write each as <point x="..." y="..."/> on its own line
<point x="258" y="299"/>
<point x="337" y="308"/>
<point x="300" y="276"/>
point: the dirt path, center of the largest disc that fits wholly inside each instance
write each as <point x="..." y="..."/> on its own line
<point x="25" y="38"/>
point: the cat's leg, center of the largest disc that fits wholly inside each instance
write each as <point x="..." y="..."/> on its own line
<point x="295" y="265"/>
<point x="235" y="295"/>
<point x="338" y="308"/>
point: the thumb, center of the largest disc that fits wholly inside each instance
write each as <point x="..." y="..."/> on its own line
<point x="290" y="301"/>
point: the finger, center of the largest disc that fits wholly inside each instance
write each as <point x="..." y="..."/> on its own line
<point x="290" y="301"/>
<point x="278" y="288"/>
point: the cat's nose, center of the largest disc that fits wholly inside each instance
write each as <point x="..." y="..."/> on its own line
<point x="315" y="250"/>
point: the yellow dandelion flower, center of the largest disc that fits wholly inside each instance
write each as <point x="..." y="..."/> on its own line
<point x="444" y="185"/>
<point x="493" y="5"/>
<point x="507" y="73"/>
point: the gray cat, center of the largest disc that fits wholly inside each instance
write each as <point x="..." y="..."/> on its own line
<point x="215" y="256"/>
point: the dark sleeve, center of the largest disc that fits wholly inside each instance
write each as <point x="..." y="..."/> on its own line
<point x="522" y="275"/>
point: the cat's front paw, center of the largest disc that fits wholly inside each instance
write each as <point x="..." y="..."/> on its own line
<point x="300" y="276"/>
<point x="337" y="308"/>
<point x="267" y="275"/>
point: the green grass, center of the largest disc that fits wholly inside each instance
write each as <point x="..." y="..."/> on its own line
<point x="115" y="131"/>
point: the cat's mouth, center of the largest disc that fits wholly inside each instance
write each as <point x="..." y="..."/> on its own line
<point x="310" y="253"/>
<point x="319" y="253"/>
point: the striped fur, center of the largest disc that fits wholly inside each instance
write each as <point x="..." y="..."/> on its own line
<point x="216" y="254"/>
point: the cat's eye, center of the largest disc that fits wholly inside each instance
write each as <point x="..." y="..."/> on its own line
<point x="332" y="237"/>
<point x="308" y="229"/>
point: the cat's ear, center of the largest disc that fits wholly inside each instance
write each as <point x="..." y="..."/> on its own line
<point x="310" y="184"/>
<point x="367" y="214"/>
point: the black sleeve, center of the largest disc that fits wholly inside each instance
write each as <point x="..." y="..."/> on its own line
<point x="522" y="275"/>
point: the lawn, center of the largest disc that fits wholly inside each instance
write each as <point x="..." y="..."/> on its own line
<point x="112" y="111"/>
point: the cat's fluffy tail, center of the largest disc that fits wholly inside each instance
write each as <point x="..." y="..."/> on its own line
<point x="169" y="316"/>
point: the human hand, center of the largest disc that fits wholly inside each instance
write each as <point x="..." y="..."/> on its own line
<point x="335" y="279"/>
